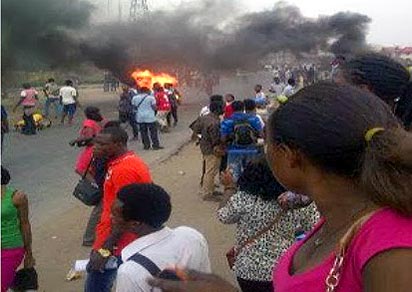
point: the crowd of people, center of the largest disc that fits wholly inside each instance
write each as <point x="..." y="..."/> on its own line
<point x="317" y="180"/>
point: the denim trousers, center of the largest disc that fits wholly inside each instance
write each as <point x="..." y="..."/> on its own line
<point x="55" y="101"/>
<point x="101" y="281"/>
<point x="237" y="161"/>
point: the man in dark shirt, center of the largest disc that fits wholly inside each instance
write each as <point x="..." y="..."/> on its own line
<point x="208" y="127"/>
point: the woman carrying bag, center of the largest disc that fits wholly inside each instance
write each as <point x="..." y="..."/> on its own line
<point x="15" y="232"/>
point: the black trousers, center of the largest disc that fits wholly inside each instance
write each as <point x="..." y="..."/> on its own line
<point x="130" y="118"/>
<point x="172" y="113"/>
<point x="255" y="286"/>
<point x="29" y="127"/>
<point x="147" y="129"/>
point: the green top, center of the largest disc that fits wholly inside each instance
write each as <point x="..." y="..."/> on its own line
<point x="10" y="223"/>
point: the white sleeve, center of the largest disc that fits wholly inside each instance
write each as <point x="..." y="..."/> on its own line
<point x="23" y="93"/>
<point x="74" y="92"/>
<point x="60" y="92"/>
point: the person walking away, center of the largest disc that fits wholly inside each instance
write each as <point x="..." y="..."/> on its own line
<point x="16" y="242"/>
<point x="144" y="105"/>
<point x="123" y="168"/>
<point x="252" y="204"/>
<point x="28" y="99"/>
<point x="51" y="91"/>
<point x="125" y="108"/>
<point x="260" y="97"/>
<point x="276" y="88"/>
<point x="143" y="209"/>
<point x="86" y="163"/>
<point x="250" y="109"/>
<point x="240" y="133"/>
<point x="363" y="242"/>
<point x="4" y="125"/>
<point x="174" y="97"/>
<point x="229" y="99"/>
<point x="68" y="98"/>
<point x="163" y="108"/>
<point x="208" y="127"/>
<point x="214" y="98"/>
<point x="290" y="89"/>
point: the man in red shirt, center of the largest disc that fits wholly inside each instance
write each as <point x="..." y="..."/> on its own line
<point x="229" y="98"/>
<point x="163" y="108"/>
<point x="124" y="168"/>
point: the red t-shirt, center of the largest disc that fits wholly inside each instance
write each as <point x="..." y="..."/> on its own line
<point x="124" y="170"/>
<point x="228" y="111"/>
<point x="162" y="101"/>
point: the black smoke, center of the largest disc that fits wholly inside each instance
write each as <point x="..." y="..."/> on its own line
<point x="201" y="37"/>
<point x="38" y="33"/>
<point x="209" y="35"/>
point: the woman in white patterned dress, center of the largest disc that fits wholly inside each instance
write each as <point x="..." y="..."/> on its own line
<point x="253" y="206"/>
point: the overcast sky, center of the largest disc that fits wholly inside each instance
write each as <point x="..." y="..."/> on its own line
<point x="391" y="19"/>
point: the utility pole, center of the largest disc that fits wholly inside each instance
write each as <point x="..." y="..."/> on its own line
<point x="138" y="9"/>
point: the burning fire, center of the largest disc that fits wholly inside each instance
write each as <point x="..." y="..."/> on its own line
<point x="145" y="78"/>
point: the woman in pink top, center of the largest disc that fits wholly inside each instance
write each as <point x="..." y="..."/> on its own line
<point x="91" y="127"/>
<point x="28" y="99"/>
<point x="344" y="148"/>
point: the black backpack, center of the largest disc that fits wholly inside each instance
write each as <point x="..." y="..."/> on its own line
<point x="244" y="133"/>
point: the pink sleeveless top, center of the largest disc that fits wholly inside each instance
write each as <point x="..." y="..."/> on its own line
<point x="29" y="97"/>
<point x="385" y="230"/>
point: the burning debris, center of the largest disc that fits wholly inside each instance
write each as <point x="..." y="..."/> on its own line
<point x="145" y="78"/>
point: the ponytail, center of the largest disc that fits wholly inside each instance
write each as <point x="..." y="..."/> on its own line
<point x="386" y="171"/>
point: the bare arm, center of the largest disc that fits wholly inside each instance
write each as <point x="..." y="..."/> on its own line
<point x="18" y="103"/>
<point x="389" y="271"/>
<point x="22" y="205"/>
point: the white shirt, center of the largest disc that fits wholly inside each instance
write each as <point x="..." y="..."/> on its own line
<point x="167" y="248"/>
<point x="204" y="111"/>
<point x="289" y="90"/>
<point x="68" y="93"/>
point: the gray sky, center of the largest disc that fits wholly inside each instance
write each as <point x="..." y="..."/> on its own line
<point x="391" y="19"/>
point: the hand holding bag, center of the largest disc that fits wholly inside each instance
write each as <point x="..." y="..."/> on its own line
<point x="86" y="191"/>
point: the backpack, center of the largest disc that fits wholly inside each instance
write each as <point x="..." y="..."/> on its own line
<point x="244" y="133"/>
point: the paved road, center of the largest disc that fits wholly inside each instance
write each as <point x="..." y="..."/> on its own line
<point x="42" y="165"/>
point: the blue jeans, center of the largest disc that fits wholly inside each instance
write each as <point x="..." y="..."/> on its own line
<point x="238" y="159"/>
<point x="55" y="101"/>
<point x="97" y="281"/>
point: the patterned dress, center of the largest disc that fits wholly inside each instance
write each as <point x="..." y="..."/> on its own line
<point x="252" y="214"/>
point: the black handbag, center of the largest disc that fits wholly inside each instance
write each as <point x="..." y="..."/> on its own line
<point x="86" y="191"/>
<point x="25" y="279"/>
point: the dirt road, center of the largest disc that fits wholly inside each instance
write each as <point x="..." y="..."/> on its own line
<point x="42" y="166"/>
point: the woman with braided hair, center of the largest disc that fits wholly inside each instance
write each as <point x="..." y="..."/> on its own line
<point x="264" y="229"/>
<point x="343" y="147"/>
<point x="384" y="77"/>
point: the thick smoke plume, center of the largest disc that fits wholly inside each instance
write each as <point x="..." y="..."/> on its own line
<point x="202" y="37"/>
<point x="209" y="35"/>
<point x="35" y="33"/>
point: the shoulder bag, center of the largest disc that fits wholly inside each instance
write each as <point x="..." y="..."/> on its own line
<point x="86" y="191"/>
<point x="235" y="250"/>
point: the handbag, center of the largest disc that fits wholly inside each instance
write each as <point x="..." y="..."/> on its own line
<point x="86" y="191"/>
<point x="235" y="250"/>
<point x="25" y="279"/>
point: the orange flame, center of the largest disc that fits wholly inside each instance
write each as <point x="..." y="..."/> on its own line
<point x="145" y="78"/>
